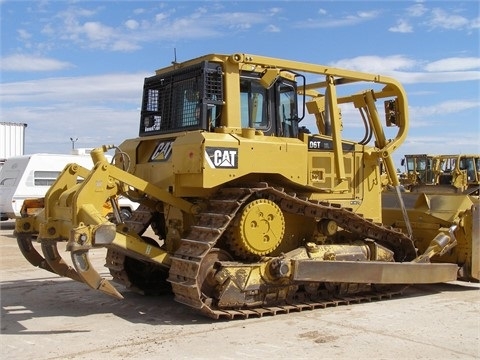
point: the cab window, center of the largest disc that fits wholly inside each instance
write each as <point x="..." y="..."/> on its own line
<point x="288" y="110"/>
<point x="253" y="104"/>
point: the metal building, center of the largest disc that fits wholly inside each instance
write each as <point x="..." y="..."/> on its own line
<point x="12" y="140"/>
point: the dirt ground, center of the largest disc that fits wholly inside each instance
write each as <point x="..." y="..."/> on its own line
<point x="47" y="317"/>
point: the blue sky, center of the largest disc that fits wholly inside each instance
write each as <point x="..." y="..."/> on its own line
<point x="75" y="69"/>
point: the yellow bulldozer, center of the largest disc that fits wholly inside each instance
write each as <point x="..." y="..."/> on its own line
<point x="429" y="173"/>
<point x="254" y="214"/>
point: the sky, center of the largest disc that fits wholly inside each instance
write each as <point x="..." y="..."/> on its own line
<point x="73" y="71"/>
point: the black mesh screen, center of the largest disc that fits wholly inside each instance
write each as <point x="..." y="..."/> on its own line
<point x="213" y="85"/>
<point x="178" y="101"/>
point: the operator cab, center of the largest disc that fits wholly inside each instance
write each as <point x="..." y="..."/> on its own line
<point x="192" y="98"/>
<point x="273" y="109"/>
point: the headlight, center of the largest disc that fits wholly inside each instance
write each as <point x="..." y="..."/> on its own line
<point x="104" y="234"/>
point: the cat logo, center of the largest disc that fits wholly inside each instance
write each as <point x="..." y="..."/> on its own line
<point x="222" y="158"/>
<point x="163" y="151"/>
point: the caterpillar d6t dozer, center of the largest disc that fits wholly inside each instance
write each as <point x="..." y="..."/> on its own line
<point x="442" y="173"/>
<point x="253" y="213"/>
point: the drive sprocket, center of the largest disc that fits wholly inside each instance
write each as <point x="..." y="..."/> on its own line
<point x="258" y="229"/>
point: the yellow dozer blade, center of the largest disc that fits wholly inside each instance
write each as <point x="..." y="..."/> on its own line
<point x="457" y="214"/>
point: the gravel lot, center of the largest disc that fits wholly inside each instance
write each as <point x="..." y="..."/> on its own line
<point x="48" y="317"/>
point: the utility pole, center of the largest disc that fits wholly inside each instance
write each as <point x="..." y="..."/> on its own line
<point x="73" y="142"/>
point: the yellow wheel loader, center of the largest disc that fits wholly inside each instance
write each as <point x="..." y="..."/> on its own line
<point x="253" y="213"/>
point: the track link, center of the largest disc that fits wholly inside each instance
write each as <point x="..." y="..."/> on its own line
<point x="212" y="223"/>
<point x="115" y="260"/>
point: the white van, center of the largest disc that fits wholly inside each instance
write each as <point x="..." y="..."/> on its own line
<point x="30" y="176"/>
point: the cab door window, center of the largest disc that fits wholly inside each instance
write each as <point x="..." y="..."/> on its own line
<point x="287" y="110"/>
<point x="253" y="98"/>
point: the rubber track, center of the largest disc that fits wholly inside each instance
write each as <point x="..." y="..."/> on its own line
<point x="212" y="223"/>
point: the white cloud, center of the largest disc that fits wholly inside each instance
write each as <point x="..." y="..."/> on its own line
<point x="402" y="26"/>
<point x="27" y="63"/>
<point x="440" y="144"/>
<point x="240" y="20"/>
<point x="376" y="64"/>
<point x="131" y="24"/>
<point x="331" y="22"/>
<point x="51" y="126"/>
<point x="124" y="46"/>
<point x="272" y="28"/>
<point x="368" y="14"/>
<point x="97" y="32"/>
<point x="454" y="64"/>
<point x="161" y="17"/>
<point x="396" y="66"/>
<point x="274" y="11"/>
<point x="436" y="77"/>
<point x="97" y="109"/>
<point x="440" y="18"/>
<point x="74" y="12"/>
<point x="444" y="108"/>
<point x="48" y="30"/>
<point x="475" y="23"/>
<point x="131" y="34"/>
<point x="69" y="26"/>
<point x="416" y="10"/>
<point x="115" y="88"/>
<point x="421" y="92"/>
<point x="24" y="34"/>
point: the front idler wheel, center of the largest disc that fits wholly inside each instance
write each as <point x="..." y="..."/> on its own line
<point x="208" y="268"/>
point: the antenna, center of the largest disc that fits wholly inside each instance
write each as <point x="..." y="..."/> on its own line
<point x="174" y="62"/>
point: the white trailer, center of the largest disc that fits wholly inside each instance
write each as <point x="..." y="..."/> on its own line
<point x="30" y="176"/>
